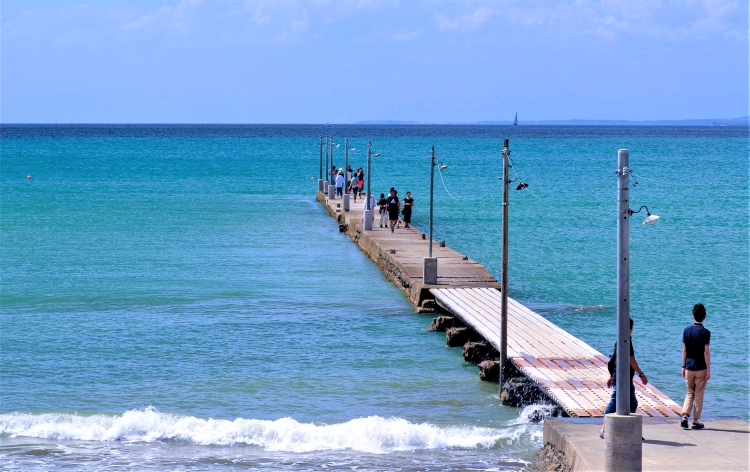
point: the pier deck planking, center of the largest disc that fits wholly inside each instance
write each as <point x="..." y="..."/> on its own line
<point x="573" y="373"/>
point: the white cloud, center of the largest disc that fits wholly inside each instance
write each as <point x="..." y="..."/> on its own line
<point x="403" y="36"/>
<point x="469" y="21"/>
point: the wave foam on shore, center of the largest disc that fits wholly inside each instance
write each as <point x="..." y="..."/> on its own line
<point x="372" y="434"/>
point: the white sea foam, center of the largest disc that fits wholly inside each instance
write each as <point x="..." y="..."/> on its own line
<point x="371" y="434"/>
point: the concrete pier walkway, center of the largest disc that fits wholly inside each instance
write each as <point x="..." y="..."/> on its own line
<point x="400" y="254"/>
<point x="722" y="446"/>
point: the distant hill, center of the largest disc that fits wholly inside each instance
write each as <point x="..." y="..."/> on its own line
<point x="386" y="122"/>
<point x="741" y="121"/>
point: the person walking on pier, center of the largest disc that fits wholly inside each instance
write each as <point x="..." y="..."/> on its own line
<point x="361" y="181"/>
<point x="333" y="175"/>
<point x="696" y="366"/>
<point x="382" y="206"/>
<point x="340" y="184"/>
<point x="408" y="204"/>
<point x="353" y="185"/>
<point x="634" y="367"/>
<point x="394" y="207"/>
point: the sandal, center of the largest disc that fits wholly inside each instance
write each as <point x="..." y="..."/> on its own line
<point x="698" y="426"/>
<point x="684" y="422"/>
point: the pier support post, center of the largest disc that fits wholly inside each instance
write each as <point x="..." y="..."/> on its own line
<point x="331" y="192"/>
<point x="346" y="201"/>
<point x="623" y="448"/>
<point x="430" y="271"/>
<point x="368" y="217"/>
<point x="321" y="185"/>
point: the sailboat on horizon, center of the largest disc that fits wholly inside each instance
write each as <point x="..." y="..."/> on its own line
<point x="515" y="122"/>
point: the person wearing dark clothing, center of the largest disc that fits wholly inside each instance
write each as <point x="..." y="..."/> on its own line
<point x="353" y="186"/>
<point x="611" y="382"/>
<point x="361" y="181"/>
<point x="382" y="209"/>
<point x="394" y="206"/>
<point x="408" y="204"/>
<point x="696" y="366"/>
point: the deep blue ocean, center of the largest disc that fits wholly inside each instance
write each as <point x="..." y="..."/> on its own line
<point x="174" y="298"/>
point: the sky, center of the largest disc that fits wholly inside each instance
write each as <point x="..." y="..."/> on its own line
<point x="325" y="61"/>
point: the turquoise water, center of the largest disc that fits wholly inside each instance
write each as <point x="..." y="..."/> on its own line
<point x="174" y="298"/>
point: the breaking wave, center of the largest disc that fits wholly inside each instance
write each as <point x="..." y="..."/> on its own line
<point x="372" y="434"/>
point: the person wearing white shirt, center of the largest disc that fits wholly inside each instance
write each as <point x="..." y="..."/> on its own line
<point x="340" y="184"/>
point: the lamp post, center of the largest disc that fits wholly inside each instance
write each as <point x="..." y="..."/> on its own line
<point x="320" y="175"/>
<point x="345" y="193"/>
<point x="429" y="273"/>
<point x="333" y="175"/>
<point x="623" y="448"/>
<point x="504" y="280"/>
<point x="331" y="184"/>
<point x="368" y="216"/>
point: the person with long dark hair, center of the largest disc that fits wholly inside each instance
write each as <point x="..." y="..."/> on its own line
<point x="408" y="205"/>
<point x="394" y="207"/>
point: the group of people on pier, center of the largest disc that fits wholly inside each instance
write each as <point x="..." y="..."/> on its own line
<point x="389" y="207"/>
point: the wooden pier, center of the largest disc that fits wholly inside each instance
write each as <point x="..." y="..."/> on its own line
<point x="567" y="369"/>
<point x="570" y="371"/>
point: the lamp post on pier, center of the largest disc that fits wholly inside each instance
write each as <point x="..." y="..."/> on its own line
<point x="369" y="215"/>
<point x="623" y="432"/>
<point x="333" y="175"/>
<point x="504" y="280"/>
<point x="345" y="193"/>
<point x="331" y="184"/>
<point x="320" y="175"/>
<point x="429" y="272"/>
<point x="328" y="169"/>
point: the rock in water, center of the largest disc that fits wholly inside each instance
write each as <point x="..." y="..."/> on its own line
<point x="478" y="352"/>
<point x="522" y="391"/>
<point x="489" y="371"/>
<point x="455" y="337"/>
<point x="442" y="323"/>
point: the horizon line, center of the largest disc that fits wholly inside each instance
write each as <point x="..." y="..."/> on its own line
<point x="738" y="121"/>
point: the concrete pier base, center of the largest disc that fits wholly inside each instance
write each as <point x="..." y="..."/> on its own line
<point x="430" y="271"/>
<point x="369" y="216"/>
<point x="623" y="447"/>
<point x="321" y="185"/>
<point x="331" y="192"/>
<point x="346" y="201"/>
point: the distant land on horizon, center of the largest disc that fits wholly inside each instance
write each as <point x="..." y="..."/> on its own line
<point x="741" y="121"/>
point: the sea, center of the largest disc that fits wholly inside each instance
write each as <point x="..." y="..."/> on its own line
<point x="173" y="298"/>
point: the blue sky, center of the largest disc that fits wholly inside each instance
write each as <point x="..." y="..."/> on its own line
<point x="294" y="61"/>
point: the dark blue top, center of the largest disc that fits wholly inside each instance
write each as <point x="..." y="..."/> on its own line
<point x="696" y="337"/>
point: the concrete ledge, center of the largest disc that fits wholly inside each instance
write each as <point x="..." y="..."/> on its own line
<point x="723" y="445"/>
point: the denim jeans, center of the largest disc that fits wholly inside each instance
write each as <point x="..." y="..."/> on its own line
<point x="613" y="401"/>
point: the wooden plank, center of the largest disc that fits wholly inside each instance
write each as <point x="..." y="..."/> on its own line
<point x="514" y="331"/>
<point x="528" y="324"/>
<point x="540" y="324"/>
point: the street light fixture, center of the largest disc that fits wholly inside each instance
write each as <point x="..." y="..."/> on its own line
<point x="650" y="219"/>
